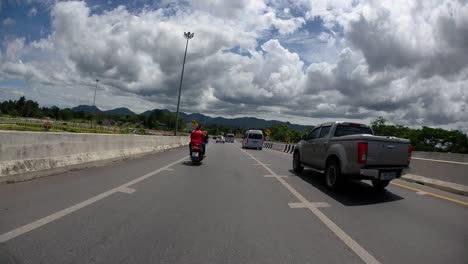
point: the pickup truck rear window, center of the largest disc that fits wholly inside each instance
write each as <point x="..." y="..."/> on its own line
<point x="343" y="130"/>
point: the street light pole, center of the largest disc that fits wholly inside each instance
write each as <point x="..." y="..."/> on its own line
<point x="188" y="36"/>
<point x="94" y="102"/>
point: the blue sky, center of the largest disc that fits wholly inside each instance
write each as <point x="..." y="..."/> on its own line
<point x="24" y="26"/>
<point x="36" y="25"/>
<point x="305" y="61"/>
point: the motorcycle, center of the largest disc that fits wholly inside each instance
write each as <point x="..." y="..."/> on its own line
<point x="196" y="154"/>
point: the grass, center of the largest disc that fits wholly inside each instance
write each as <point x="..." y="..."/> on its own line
<point x="40" y="128"/>
<point x="88" y="130"/>
<point x="80" y="120"/>
<point x="19" y="128"/>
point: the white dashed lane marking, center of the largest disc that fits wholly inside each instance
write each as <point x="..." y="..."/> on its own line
<point x="57" y="215"/>
<point x="127" y="190"/>
<point x="308" y="204"/>
<point x="274" y="176"/>
<point x="351" y="243"/>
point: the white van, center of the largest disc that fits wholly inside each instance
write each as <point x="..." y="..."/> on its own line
<point x="253" y="139"/>
<point x="230" y="138"/>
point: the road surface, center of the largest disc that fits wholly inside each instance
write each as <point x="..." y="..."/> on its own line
<point x="239" y="206"/>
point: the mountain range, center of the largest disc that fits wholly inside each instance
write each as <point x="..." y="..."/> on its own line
<point x="245" y="122"/>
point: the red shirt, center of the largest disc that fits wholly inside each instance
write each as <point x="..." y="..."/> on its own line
<point x="196" y="136"/>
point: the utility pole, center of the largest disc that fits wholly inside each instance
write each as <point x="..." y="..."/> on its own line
<point x="188" y="36"/>
<point x="94" y="103"/>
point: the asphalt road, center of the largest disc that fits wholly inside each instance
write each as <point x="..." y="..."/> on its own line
<point x="237" y="207"/>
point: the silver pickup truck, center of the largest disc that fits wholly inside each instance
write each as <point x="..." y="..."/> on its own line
<point x="344" y="150"/>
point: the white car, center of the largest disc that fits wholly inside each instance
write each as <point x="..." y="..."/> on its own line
<point x="220" y="139"/>
<point x="253" y="139"/>
<point x="230" y="138"/>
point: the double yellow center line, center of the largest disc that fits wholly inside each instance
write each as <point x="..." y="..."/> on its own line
<point x="431" y="194"/>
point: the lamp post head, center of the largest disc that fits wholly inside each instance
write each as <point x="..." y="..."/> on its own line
<point x="188" y="35"/>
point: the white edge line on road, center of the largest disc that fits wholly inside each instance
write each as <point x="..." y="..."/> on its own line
<point x="274" y="176"/>
<point x="353" y="245"/>
<point x="303" y="205"/>
<point x="127" y="190"/>
<point x="57" y="215"/>
<point x="443" y="161"/>
<point x="279" y="152"/>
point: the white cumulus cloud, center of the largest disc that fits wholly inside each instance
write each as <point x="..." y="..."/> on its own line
<point x="32" y="12"/>
<point x="406" y="61"/>
<point x="8" y="21"/>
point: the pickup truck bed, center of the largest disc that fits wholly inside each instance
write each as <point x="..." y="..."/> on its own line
<point x="333" y="149"/>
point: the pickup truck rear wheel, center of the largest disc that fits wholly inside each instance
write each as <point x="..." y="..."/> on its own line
<point x="333" y="177"/>
<point x="297" y="167"/>
<point x="379" y="185"/>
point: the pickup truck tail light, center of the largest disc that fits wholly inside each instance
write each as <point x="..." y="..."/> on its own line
<point x="362" y="152"/>
<point x="410" y="150"/>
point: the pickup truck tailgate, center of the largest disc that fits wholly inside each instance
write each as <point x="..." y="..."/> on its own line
<point x="383" y="151"/>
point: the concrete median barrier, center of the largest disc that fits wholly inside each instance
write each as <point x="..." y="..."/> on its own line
<point x="453" y="157"/>
<point x="278" y="146"/>
<point x="27" y="155"/>
<point x="447" y="167"/>
<point x="287" y="148"/>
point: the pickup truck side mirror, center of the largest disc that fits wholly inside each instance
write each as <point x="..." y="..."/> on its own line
<point x="304" y="137"/>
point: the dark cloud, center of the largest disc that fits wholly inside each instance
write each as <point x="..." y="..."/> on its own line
<point x="379" y="45"/>
<point x="386" y="44"/>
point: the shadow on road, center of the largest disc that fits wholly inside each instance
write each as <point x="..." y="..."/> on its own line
<point x="189" y="163"/>
<point x="354" y="193"/>
<point x="6" y="257"/>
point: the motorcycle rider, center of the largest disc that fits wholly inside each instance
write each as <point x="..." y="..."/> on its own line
<point x="197" y="137"/>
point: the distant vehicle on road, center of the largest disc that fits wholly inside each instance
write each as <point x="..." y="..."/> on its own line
<point x="230" y="138"/>
<point x="253" y="139"/>
<point x="343" y="150"/>
<point x="220" y="139"/>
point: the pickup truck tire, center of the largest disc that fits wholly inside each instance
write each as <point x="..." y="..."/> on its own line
<point x="297" y="167"/>
<point x="379" y="185"/>
<point x="333" y="178"/>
